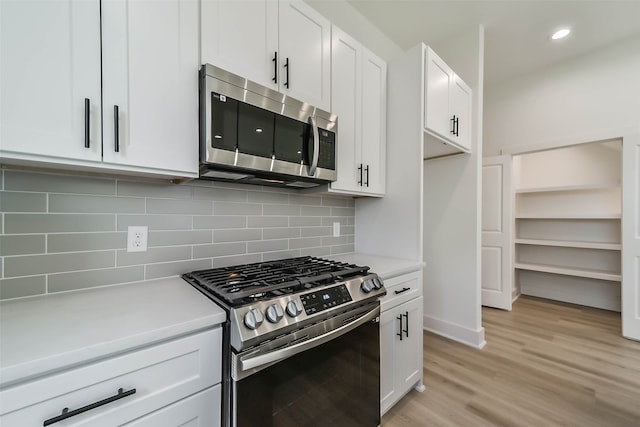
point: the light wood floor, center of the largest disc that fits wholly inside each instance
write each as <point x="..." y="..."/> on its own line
<point x="545" y="364"/>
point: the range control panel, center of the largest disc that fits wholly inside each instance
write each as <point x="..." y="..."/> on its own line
<point x="314" y="302"/>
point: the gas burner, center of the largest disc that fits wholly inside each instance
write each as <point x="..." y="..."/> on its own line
<point x="244" y="284"/>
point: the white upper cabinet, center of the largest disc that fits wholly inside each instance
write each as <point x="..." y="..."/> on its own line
<point x="304" y="40"/>
<point x="447" y="110"/>
<point x="284" y="45"/>
<point x="358" y="98"/>
<point x="242" y="37"/>
<point x="51" y="85"/>
<point x="49" y="66"/>
<point x="151" y="76"/>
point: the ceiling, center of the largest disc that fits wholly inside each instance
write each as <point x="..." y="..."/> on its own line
<point x="517" y="32"/>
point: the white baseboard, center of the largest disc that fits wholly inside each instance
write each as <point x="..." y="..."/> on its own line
<point x="470" y="337"/>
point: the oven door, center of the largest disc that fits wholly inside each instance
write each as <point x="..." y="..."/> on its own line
<point x="331" y="379"/>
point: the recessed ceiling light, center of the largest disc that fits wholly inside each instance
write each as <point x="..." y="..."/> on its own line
<point x="560" y="34"/>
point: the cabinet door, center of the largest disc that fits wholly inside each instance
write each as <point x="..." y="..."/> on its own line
<point x="374" y="122"/>
<point x="438" y="80"/>
<point x="49" y="64"/>
<point x="304" y="40"/>
<point x="461" y="108"/>
<point x="241" y="37"/>
<point x="150" y="72"/>
<point x="410" y="354"/>
<point x="200" y="410"/>
<point x="389" y="328"/>
<point x="346" y="98"/>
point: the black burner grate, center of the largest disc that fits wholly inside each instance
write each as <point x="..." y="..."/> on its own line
<point x="241" y="284"/>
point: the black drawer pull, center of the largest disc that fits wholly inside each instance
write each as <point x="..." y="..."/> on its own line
<point x="402" y="290"/>
<point x="66" y="413"/>
<point x="401" y="330"/>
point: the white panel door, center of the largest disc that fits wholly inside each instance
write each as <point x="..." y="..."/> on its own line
<point x="49" y="65"/>
<point x="346" y="95"/>
<point x="304" y="41"/>
<point x="241" y="37"/>
<point x="631" y="237"/>
<point x="151" y="60"/>
<point x="497" y="266"/>
<point x="374" y="122"/>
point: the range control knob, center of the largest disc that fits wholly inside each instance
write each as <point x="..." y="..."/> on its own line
<point x="366" y="286"/>
<point x="377" y="283"/>
<point x="253" y="318"/>
<point x="274" y="313"/>
<point x="293" y="308"/>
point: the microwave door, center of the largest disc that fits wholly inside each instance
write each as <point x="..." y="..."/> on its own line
<point x="289" y="143"/>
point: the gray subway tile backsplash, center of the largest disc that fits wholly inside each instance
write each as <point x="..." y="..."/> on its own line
<point x="63" y="232"/>
<point x="23" y="287"/>
<point x="57" y="223"/>
<point x="29" y="265"/>
<point x="74" y="242"/>
<point x="72" y="203"/>
<point x="57" y="183"/>
<point x="22" y="244"/>
<point x="237" y="235"/>
<point x="88" y="279"/>
<point x="23" y="202"/>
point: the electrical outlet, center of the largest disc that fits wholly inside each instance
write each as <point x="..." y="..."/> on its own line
<point x="336" y="229"/>
<point x="137" y="238"/>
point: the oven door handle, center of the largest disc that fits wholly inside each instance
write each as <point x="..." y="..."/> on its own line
<point x="276" y="356"/>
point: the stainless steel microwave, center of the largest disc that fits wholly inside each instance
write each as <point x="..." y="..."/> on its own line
<point x="252" y="134"/>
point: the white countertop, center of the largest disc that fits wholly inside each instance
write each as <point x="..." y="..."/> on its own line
<point x="385" y="267"/>
<point x="50" y="332"/>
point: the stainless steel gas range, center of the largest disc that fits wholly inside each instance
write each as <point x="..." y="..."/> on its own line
<point x="301" y="342"/>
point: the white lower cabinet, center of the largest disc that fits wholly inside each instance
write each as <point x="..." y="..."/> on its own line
<point x="163" y="383"/>
<point x="400" y="339"/>
<point x="194" y="411"/>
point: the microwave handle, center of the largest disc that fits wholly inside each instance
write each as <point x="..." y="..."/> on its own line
<point x="316" y="145"/>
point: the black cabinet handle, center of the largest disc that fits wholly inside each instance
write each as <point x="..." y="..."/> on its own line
<point x="367" y="170"/>
<point x="87" y="130"/>
<point x="116" y="128"/>
<point x="406" y="324"/>
<point x="360" y="170"/>
<point x="400" y="333"/>
<point x="275" y="67"/>
<point x="457" y="127"/>
<point x="286" y="65"/>
<point x="453" y="125"/>
<point x="402" y="290"/>
<point x="66" y="413"/>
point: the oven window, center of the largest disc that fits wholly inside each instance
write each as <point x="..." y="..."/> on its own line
<point x="334" y="384"/>
<point x="255" y="130"/>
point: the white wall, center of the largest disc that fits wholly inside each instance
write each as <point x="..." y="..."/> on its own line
<point x="452" y="213"/>
<point x="591" y="97"/>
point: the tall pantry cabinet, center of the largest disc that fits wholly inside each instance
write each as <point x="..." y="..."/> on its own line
<point x="567" y="224"/>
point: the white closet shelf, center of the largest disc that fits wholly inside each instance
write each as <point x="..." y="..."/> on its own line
<point x="590" y="274"/>
<point x="569" y="216"/>
<point x="568" y="188"/>
<point x="570" y="244"/>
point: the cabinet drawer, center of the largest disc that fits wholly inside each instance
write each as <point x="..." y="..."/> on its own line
<point x="202" y="409"/>
<point x="160" y="374"/>
<point x="401" y="289"/>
